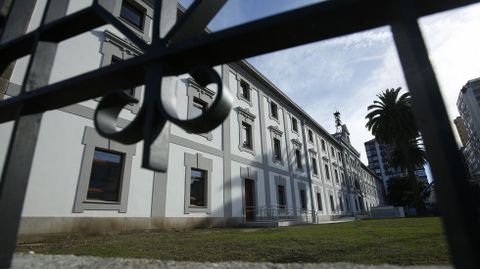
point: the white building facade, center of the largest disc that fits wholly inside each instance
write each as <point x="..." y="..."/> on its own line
<point x="267" y="159"/>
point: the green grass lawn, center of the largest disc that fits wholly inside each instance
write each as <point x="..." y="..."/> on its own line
<point x="406" y="241"/>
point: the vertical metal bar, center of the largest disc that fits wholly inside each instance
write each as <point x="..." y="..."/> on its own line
<point x="457" y="206"/>
<point x="18" y="163"/>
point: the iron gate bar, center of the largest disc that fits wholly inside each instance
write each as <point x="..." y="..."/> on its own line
<point x="457" y="204"/>
<point x="15" y="174"/>
<point x="314" y="23"/>
<point x="318" y="22"/>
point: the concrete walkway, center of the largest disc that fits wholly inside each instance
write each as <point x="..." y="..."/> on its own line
<point x="32" y="261"/>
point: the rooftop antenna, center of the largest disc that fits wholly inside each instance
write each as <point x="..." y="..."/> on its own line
<point x="338" y="121"/>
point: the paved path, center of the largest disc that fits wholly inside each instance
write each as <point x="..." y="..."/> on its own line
<point x="31" y="261"/>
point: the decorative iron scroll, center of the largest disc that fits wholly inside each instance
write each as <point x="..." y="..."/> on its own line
<point x="186" y="49"/>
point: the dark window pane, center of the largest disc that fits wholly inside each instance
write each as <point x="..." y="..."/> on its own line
<point x="247" y="135"/>
<point x="277" y="154"/>
<point x="106" y="176"/>
<point x="299" y="158"/>
<point x="327" y="173"/>
<point x="319" y="201"/>
<point x="132" y="14"/>
<point x="314" y="166"/>
<point x="294" y="124"/>
<point x="274" y="109"/>
<point x="245" y="90"/>
<point x="281" y="196"/>
<point x="303" y="199"/>
<point x="310" y="135"/>
<point x="198" y="188"/>
<point x="332" y="205"/>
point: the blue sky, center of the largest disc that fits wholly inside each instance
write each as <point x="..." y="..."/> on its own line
<point x="347" y="73"/>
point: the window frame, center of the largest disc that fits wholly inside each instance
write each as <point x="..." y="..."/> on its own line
<point x="147" y="19"/>
<point x="281" y="181"/>
<point x="205" y="187"/>
<point x="277" y="111"/>
<point x="115" y="47"/>
<point x="91" y="140"/>
<point x="298" y="158"/>
<point x="318" y="195"/>
<point x="302" y="188"/>
<point x="241" y="80"/>
<point x="314" y="166"/>
<point x="327" y="172"/>
<point x="245" y="116"/>
<point x="297" y="146"/>
<point x="119" y="179"/>
<point x="197" y="161"/>
<point x="276" y="134"/>
<point x="136" y="8"/>
<point x="332" y="203"/>
<point x="310" y="136"/>
<point x="294" y="126"/>
<point x="195" y="91"/>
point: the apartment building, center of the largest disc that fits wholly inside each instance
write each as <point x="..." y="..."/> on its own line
<point x="468" y="104"/>
<point x="378" y="156"/>
<point x="268" y="159"/>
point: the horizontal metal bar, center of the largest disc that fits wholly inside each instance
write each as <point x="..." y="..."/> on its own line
<point x="301" y="26"/>
<point x="56" y="31"/>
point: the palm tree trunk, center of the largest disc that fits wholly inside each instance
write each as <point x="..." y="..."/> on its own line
<point x="419" y="206"/>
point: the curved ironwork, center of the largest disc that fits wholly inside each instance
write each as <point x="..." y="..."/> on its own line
<point x="110" y="106"/>
<point x="179" y="48"/>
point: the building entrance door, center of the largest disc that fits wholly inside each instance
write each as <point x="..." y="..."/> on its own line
<point x="249" y="199"/>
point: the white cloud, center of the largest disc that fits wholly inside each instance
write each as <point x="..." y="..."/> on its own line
<point x="452" y="40"/>
<point x="346" y="73"/>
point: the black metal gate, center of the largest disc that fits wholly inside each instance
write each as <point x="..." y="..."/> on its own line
<point x="184" y="49"/>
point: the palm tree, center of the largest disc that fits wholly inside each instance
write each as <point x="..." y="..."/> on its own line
<point x="416" y="155"/>
<point x="391" y="121"/>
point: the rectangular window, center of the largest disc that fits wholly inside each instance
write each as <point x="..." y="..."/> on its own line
<point x="336" y="176"/>
<point x="130" y="91"/>
<point x="294" y="125"/>
<point x="323" y="145"/>
<point x="198" y="107"/>
<point x="327" y="173"/>
<point x="341" y="203"/>
<point x="277" y="150"/>
<point x="319" y="202"/>
<point x="347" y="204"/>
<point x="132" y="14"/>
<point x="298" y="156"/>
<point x="303" y="199"/>
<point x="245" y="90"/>
<point x="274" y="110"/>
<point x="314" y="166"/>
<point x="106" y="176"/>
<point x="247" y="135"/>
<point x="281" y="199"/>
<point x="198" y="188"/>
<point x="310" y="136"/>
<point x="333" y="151"/>
<point x="332" y="204"/>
